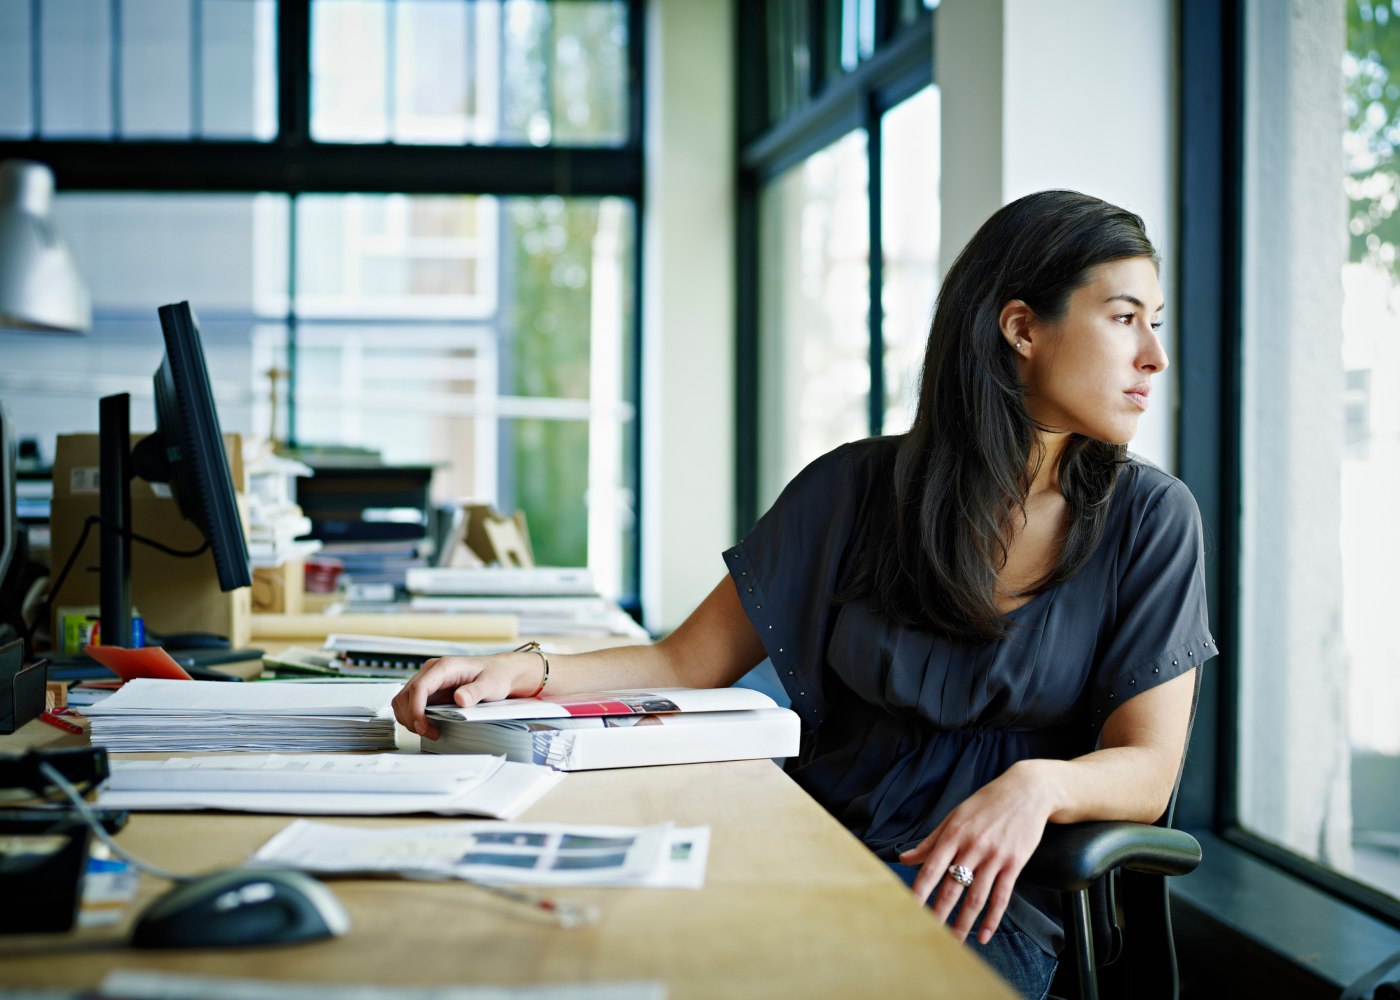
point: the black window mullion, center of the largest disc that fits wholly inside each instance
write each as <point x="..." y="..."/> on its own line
<point x="291" y="353"/>
<point x="293" y="72"/>
<point x="1208" y="345"/>
<point x="636" y="76"/>
<point x="874" y="126"/>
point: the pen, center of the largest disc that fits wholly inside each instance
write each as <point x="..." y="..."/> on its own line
<point x="54" y="720"/>
<point x="564" y="914"/>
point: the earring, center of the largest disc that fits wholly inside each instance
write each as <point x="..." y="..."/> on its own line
<point x="1020" y="346"/>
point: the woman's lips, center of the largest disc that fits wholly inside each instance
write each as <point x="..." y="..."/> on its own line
<point x="1138" y="394"/>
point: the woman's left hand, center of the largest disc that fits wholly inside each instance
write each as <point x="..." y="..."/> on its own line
<point x="992" y="834"/>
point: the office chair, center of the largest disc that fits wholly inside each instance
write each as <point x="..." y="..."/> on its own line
<point x="1112" y="878"/>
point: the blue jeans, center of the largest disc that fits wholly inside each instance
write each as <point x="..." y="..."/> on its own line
<point x="1014" y="956"/>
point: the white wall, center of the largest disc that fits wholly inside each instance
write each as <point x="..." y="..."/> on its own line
<point x="1071" y="94"/>
<point x="687" y="406"/>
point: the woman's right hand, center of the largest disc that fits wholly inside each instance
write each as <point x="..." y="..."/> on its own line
<point x="463" y="680"/>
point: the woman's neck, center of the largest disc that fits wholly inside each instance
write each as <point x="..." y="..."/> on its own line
<point x="1043" y="471"/>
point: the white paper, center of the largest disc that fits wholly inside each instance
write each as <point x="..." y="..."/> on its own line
<point x="539" y="854"/>
<point x="127" y="984"/>
<point x="179" y="697"/>
<point x="388" y="773"/>
<point x="504" y="795"/>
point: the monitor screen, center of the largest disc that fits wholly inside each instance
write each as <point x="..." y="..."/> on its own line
<point x="187" y="448"/>
<point x="187" y="452"/>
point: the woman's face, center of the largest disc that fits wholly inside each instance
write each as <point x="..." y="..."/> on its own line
<point x="1091" y="371"/>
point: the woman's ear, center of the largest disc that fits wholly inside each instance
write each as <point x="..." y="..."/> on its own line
<point x="1016" y="321"/>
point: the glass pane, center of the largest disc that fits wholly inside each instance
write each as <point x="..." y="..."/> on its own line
<point x="519" y="72"/>
<point x="1320" y="438"/>
<point x="238" y="69"/>
<point x="349" y="71"/>
<point x="76" y="69"/>
<point x="909" y="225"/>
<point x="1370" y="466"/>
<point x="523" y="400"/>
<point x="140" y="251"/>
<point x="433" y="66"/>
<point x="813" y="326"/>
<point x="51" y="385"/>
<point x="590" y="74"/>
<point x="16" y="84"/>
<point x="155" y="69"/>
<point x="393" y="255"/>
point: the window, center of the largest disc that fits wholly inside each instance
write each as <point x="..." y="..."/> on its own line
<point x="838" y="210"/>
<point x="1319" y="440"/>
<point x="424" y="215"/>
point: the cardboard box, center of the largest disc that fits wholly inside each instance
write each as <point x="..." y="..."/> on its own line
<point x="279" y="589"/>
<point x="175" y="594"/>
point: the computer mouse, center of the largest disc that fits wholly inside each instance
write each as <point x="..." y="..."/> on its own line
<point x="241" y="907"/>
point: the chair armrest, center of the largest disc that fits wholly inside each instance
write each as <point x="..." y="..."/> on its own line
<point x="1074" y="855"/>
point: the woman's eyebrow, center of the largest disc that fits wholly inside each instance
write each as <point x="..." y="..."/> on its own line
<point x="1133" y="299"/>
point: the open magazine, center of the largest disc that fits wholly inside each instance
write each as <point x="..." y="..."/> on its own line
<point x="540" y="854"/>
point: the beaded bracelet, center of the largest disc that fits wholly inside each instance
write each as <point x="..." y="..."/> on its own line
<point x="534" y="647"/>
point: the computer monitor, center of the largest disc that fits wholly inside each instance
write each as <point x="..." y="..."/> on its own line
<point x="187" y="452"/>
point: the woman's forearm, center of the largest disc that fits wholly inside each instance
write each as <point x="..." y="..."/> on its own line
<point x="1120" y="783"/>
<point x="714" y="647"/>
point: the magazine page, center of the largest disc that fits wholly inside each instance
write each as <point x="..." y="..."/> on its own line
<point x="639" y="701"/>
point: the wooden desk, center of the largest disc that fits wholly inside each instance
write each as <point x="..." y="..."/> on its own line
<point x="793" y="906"/>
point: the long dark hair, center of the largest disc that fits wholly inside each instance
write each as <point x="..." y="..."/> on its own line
<point x="928" y="553"/>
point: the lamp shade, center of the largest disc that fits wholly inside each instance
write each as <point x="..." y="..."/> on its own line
<point x="39" y="286"/>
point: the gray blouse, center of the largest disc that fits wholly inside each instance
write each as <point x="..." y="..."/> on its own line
<point x="900" y="725"/>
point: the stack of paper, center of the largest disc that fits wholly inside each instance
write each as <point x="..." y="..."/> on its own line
<point x="621" y="728"/>
<point x="175" y="715"/>
<point x="328" y="784"/>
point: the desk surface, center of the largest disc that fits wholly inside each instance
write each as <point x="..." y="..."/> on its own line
<point x="792" y="906"/>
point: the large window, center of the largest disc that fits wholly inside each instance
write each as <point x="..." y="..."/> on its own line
<point x="417" y="232"/>
<point x="1317" y="698"/>
<point x="839" y="217"/>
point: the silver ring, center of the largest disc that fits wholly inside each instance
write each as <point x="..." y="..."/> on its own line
<point x="961" y="874"/>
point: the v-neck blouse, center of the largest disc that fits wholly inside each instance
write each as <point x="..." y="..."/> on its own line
<point x="901" y="725"/>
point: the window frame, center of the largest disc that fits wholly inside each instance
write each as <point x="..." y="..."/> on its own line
<point x="293" y="163"/>
<point x="819" y="110"/>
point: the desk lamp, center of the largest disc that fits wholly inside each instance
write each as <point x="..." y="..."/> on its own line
<point x="40" y="292"/>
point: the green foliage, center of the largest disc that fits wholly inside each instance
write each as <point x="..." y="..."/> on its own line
<point x="550" y="242"/>
<point x="1372" y="105"/>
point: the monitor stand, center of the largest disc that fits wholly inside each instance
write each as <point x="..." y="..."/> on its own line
<point x="114" y="533"/>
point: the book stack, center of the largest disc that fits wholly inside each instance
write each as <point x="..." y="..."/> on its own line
<point x="270" y="716"/>
<point x="621" y="728"/>
<point x="372" y="655"/>
<point x="276" y="524"/>
<point x="377" y="562"/>
<point x="548" y="600"/>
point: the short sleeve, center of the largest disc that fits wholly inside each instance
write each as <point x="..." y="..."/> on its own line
<point x="787" y="572"/>
<point x="1158" y="627"/>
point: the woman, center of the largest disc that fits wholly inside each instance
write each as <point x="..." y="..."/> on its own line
<point x="986" y="624"/>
